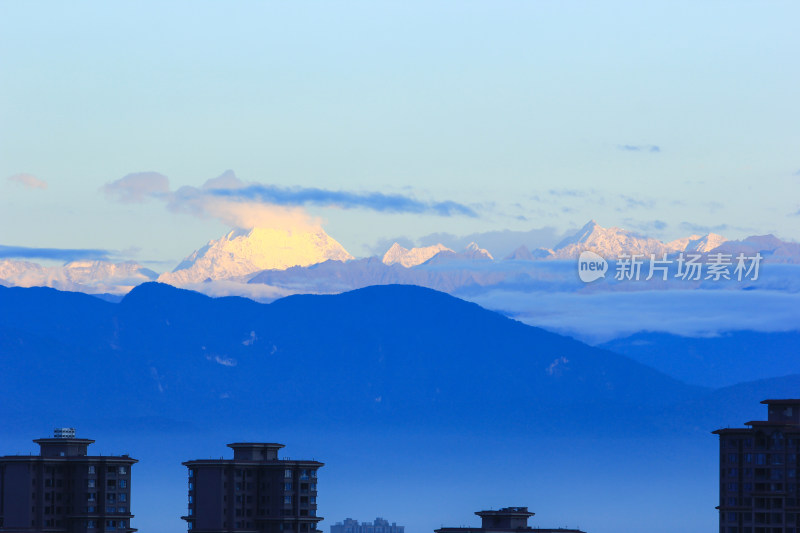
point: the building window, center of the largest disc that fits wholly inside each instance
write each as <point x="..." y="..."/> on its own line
<point x="304" y="474"/>
<point x="123" y="497"/>
<point x="91" y="471"/>
<point x="123" y="483"/>
<point x="287" y="486"/>
<point x="287" y="499"/>
<point x="91" y="483"/>
<point x="287" y="473"/>
<point x="313" y="473"/>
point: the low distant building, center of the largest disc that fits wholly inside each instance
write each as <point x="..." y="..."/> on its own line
<point x="378" y="526"/>
<point x="505" y="520"/>
<point x="255" y="492"/>
<point x="63" y="489"/>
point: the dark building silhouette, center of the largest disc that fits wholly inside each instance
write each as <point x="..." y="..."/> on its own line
<point x="758" y="472"/>
<point x="505" y="520"/>
<point x="65" y="490"/>
<point x="254" y="492"/>
<point x="348" y="525"/>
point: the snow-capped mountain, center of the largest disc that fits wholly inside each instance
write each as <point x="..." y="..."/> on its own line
<point x="91" y="272"/>
<point x="243" y="252"/>
<point x="612" y="242"/>
<point x="697" y="243"/>
<point x="413" y="257"/>
<point x="472" y="252"/>
<point x="82" y="276"/>
<point x="608" y="242"/>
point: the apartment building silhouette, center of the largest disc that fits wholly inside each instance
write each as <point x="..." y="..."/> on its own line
<point x="254" y="492"/>
<point x="63" y="489"/>
<point x="758" y="488"/>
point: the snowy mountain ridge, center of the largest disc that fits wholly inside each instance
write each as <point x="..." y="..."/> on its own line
<point x="411" y="257"/>
<point x="244" y="252"/>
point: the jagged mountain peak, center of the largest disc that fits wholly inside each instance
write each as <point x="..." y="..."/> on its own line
<point x="411" y="257"/>
<point x="473" y="251"/>
<point x="245" y="251"/>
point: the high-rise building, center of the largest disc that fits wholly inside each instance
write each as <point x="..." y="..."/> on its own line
<point x="379" y="525"/>
<point x="758" y="489"/>
<point x="254" y="492"/>
<point x="505" y="520"/>
<point x="63" y="489"/>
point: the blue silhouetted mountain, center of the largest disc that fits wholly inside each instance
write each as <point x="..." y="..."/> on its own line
<point x="394" y="355"/>
<point x="718" y="361"/>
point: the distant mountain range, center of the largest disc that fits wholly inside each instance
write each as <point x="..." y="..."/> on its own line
<point x="403" y="354"/>
<point x="613" y="242"/>
<point x="297" y="261"/>
<point x="717" y="361"/>
<point x="81" y="276"/>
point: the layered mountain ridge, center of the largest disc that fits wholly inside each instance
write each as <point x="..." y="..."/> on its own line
<point x="292" y="258"/>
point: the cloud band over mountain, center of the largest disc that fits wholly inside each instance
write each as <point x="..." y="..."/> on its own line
<point x="58" y="254"/>
<point x="298" y="196"/>
<point x="248" y="205"/>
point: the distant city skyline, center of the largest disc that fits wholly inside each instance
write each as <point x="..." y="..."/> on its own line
<point x="662" y="118"/>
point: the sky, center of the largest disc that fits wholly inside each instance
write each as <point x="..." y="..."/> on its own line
<point x="394" y="120"/>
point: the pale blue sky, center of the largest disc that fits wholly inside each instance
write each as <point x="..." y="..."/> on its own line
<point x="662" y="117"/>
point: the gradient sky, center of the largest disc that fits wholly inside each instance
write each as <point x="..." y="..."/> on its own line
<point x="667" y="118"/>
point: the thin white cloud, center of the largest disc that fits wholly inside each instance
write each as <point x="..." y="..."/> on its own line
<point x="137" y="187"/>
<point x="29" y="181"/>
<point x="602" y="316"/>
